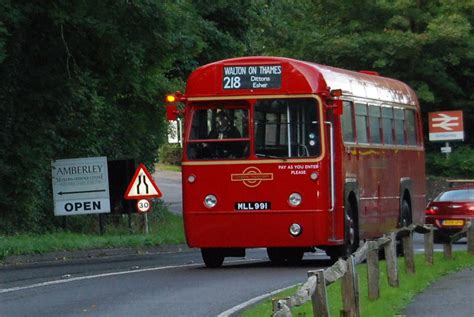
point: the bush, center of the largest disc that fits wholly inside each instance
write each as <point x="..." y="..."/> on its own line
<point x="170" y="154"/>
<point x="460" y="163"/>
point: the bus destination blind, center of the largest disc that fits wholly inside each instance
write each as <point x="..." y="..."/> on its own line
<point x="252" y="77"/>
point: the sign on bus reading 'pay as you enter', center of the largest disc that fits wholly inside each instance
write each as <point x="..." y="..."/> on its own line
<point x="446" y="126"/>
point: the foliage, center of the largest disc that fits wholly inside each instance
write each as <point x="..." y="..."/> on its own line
<point x="165" y="228"/>
<point x="170" y="154"/>
<point x="459" y="163"/>
<point x="85" y="78"/>
<point x="392" y="301"/>
<point x="427" y="44"/>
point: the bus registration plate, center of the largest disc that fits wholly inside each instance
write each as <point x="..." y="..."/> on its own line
<point x="253" y="205"/>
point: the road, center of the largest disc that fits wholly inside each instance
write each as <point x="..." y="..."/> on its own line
<point x="160" y="284"/>
<point x="169" y="184"/>
<point x="174" y="284"/>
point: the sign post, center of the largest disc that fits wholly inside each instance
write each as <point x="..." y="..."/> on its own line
<point x="446" y="126"/>
<point x="142" y="187"/>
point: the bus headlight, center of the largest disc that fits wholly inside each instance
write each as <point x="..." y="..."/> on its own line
<point x="295" y="230"/>
<point x="191" y="178"/>
<point x="294" y="199"/>
<point x="210" y="201"/>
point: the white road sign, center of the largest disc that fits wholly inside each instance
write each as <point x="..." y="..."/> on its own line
<point x="80" y="186"/>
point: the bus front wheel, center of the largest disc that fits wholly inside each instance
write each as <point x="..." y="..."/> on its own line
<point x="212" y="258"/>
<point x="351" y="236"/>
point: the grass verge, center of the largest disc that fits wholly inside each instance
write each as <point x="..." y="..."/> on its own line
<point x="167" y="167"/>
<point x="392" y="301"/>
<point x="164" y="228"/>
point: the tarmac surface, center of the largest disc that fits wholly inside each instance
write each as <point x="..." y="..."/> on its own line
<point x="452" y="295"/>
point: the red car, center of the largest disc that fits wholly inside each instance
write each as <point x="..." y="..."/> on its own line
<point x="450" y="210"/>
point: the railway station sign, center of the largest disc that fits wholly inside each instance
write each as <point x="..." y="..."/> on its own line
<point x="446" y="126"/>
<point x="80" y="186"/>
<point x="251" y="77"/>
<point x="142" y="185"/>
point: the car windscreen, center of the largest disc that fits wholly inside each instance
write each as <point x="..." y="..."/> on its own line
<point x="457" y="195"/>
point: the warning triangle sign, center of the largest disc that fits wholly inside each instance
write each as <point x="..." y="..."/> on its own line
<point x="142" y="185"/>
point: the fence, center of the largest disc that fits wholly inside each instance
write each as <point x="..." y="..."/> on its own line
<point x="314" y="288"/>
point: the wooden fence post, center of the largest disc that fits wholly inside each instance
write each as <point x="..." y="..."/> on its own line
<point x="350" y="290"/>
<point x="373" y="270"/>
<point x="409" y="253"/>
<point x="278" y="310"/>
<point x="448" y="250"/>
<point x="470" y="239"/>
<point x="319" y="297"/>
<point x="274" y="305"/>
<point x="391" y="261"/>
<point x="429" y="245"/>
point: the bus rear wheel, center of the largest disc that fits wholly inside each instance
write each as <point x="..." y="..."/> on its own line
<point x="212" y="258"/>
<point x="405" y="221"/>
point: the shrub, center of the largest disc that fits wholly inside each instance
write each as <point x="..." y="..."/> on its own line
<point x="170" y="154"/>
<point x="460" y="163"/>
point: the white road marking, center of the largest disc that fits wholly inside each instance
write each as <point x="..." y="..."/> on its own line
<point x="88" y="277"/>
<point x="252" y="301"/>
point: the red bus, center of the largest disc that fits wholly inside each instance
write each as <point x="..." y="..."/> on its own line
<point x="291" y="156"/>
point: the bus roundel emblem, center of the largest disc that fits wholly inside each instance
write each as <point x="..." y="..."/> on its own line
<point x="252" y="177"/>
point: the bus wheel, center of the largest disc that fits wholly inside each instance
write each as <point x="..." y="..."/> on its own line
<point x="294" y="256"/>
<point x="351" y="236"/>
<point x="276" y="255"/>
<point x="212" y="257"/>
<point x="405" y="221"/>
<point x="280" y="255"/>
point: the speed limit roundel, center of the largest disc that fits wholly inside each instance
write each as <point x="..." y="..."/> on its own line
<point x="143" y="205"/>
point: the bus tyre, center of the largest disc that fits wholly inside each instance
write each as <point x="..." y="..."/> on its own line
<point x="213" y="258"/>
<point x="276" y="255"/>
<point x="405" y="221"/>
<point x="351" y="236"/>
<point x="282" y="255"/>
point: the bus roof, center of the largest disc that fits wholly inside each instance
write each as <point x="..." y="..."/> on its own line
<point x="297" y="77"/>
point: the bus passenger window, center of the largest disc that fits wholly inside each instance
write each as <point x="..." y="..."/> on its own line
<point x="387" y="118"/>
<point x="361" y="122"/>
<point x="347" y="123"/>
<point x="374" y="121"/>
<point x="286" y="128"/>
<point x="399" y="126"/>
<point x="411" y="127"/>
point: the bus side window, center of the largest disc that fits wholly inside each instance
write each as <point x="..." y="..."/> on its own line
<point x="399" y="121"/>
<point x="374" y="124"/>
<point x="347" y="122"/>
<point x="411" y="126"/>
<point x="361" y="122"/>
<point x="387" y="125"/>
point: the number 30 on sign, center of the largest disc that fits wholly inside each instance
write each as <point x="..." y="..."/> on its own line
<point x="143" y="205"/>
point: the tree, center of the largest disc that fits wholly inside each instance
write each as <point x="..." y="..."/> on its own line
<point x="80" y="79"/>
